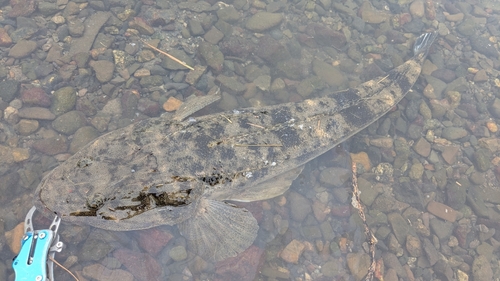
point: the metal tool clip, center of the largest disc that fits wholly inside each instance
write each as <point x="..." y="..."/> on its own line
<point x="33" y="263"/>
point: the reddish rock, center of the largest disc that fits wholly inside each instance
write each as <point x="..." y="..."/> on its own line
<point x="253" y="207"/>
<point x="140" y="25"/>
<point x="243" y="267"/>
<point x="35" y="96"/>
<point x="5" y="40"/>
<point x="153" y="240"/>
<point x="22" y="8"/>
<point x="442" y="211"/>
<point x="142" y="266"/>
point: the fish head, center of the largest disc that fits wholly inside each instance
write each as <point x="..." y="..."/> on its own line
<point x="115" y="186"/>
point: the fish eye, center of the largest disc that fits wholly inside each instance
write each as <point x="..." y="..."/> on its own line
<point x="95" y="201"/>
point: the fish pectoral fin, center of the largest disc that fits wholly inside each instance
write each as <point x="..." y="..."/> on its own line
<point x="219" y="230"/>
<point x="270" y="188"/>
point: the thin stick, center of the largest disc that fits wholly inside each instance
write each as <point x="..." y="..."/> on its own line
<point x="356" y="203"/>
<point x="65" y="269"/>
<point x="168" y="55"/>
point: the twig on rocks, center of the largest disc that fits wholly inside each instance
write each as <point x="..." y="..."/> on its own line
<point x="372" y="241"/>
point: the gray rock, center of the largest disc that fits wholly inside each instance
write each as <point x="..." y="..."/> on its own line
<point x="334" y="176"/>
<point x="9" y="89"/>
<point x="481" y="158"/>
<point x="300" y="206"/>
<point x="104" y="70"/>
<point x="443" y="270"/>
<point x="68" y="123"/>
<point x="94" y="250"/>
<point x="82" y="136"/>
<point x="63" y="101"/>
<point x="195" y="27"/>
<point x="430" y="251"/>
<point x="39" y="113"/>
<point x="329" y="73"/>
<point x="484" y="46"/>
<point x="231" y="84"/>
<point x="454" y="133"/>
<point x="399" y="226"/>
<point x="495" y="108"/>
<point x="391" y="261"/>
<point x="213" y="36"/>
<point x="263" y="21"/>
<point x="456" y="193"/>
<point x="228" y="14"/>
<point x="441" y="228"/>
<point x="481" y="269"/>
<point x="47" y="8"/>
<point x="92" y="26"/>
<point x="22" y="49"/>
<point x="212" y="55"/>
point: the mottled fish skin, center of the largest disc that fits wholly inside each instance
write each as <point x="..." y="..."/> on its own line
<point x="155" y="171"/>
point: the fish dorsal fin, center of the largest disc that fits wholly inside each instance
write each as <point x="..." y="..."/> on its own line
<point x="219" y="230"/>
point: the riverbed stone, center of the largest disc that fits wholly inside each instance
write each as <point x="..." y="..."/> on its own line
<point x="263" y="21"/>
<point x="300" y="206"/>
<point x="481" y="269"/>
<point x="63" y="101"/>
<point x="69" y="122"/>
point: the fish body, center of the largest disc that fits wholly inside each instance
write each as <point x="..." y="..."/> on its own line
<point x="163" y="171"/>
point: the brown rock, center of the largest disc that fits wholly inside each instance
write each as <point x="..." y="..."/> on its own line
<point x="22" y="8"/>
<point x="382" y="142"/>
<point x="5" y="40"/>
<point x="99" y="272"/>
<point x="172" y="104"/>
<point x="450" y="154"/>
<point x="35" y="96"/>
<point x="442" y="211"/>
<point x="358" y="264"/>
<point x="413" y="246"/>
<point x="422" y="147"/>
<point x="292" y="251"/>
<point x="14" y="237"/>
<point x="142" y="266"/>
<point x="242" y="267"/>
<point x="22" y="49"/>
<point x="26" y="127"/>
<point x="153" y="240"/>
<point x="481" y="76"/>
<point x="320" y="210"/>
<point x="20" y="154"/>
<point x="39" y="113"/>
<point x="51" y="146"/>
<point x="141" y="26"/>
<point x="363" y="159"/>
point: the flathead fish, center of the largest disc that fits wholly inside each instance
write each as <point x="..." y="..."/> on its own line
<point x="164" y="171"/>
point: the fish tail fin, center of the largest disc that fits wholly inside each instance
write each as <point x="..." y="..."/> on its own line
<point x="424" y="42"/>
<point x="219" y="230"/>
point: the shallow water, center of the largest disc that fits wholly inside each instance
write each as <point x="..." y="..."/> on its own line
<point x="440" y="144"/>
